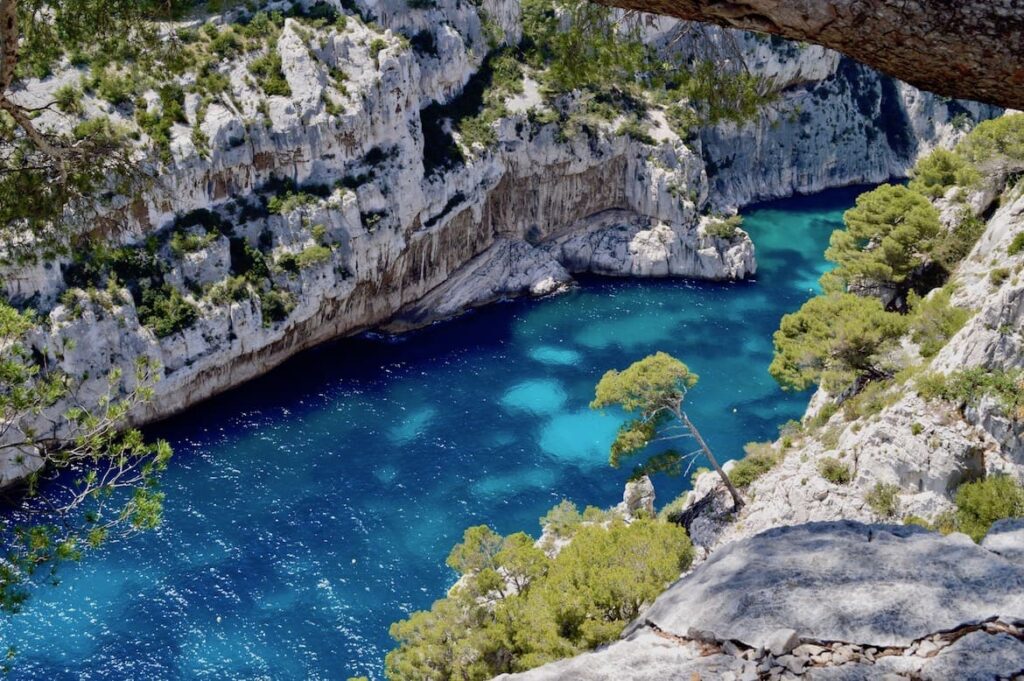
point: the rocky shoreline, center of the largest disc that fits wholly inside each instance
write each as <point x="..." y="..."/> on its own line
<point x="410" y="244"/>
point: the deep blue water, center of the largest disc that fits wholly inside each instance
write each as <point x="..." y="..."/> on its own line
<point x="309" y="509"/>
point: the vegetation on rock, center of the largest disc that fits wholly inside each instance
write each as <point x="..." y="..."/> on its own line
<point x="100" y="482"/>
<point x="517" y="607"/>
<point x="835" y="340"/>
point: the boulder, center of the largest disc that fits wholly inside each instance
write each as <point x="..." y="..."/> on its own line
<point x="880" y="585"/>
<point x="638" y="498"/>
<point x="1006" y="537"/>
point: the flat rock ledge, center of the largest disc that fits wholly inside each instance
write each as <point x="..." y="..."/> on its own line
<point x="832" y="601"/>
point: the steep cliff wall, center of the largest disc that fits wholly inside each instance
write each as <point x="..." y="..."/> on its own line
<point x="388" y="233"/>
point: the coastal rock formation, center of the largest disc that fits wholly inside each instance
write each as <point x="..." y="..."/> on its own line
<point x="390" y="232"/>
<point x="837" y="600"/>
<point x="969" y="49"/>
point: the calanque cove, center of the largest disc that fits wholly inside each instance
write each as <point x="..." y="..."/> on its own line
<point x="312" y="308"/>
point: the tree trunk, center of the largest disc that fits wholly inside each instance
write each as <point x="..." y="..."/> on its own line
<point x="969" y="49"/>
<point x="737" y="500"/>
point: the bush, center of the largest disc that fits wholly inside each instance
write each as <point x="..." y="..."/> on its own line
<point x="998" y="276"/>
<point x="724" y="228"/>
<point x="759" y="460"/>
<point x="835" y="471"/>
<point x="312" y="256"/>
<point x="934" y="321"/>
<point x="1017" y="245"/>
<point x="937" y="172"/>
<point x="270" y="77"/>
<point x="884" y="500"/>
<point x="377" y="45"/>
<point x="164" y="310"/>
<point x="115" y="88"/>
<point x="69" y="99"/>
<point x="1003" y="136"/>
<point x="516" y="609"/>
<point x="288" y="202"/>
<point x="190" y="242"/>
<point x="562" y="520"/>
<point x="968" y="386"/>
<point x="232" y="289"/>
<point x="276" y="305"/>
<point x="981" y="503"/>
<point x="952" y="246"/>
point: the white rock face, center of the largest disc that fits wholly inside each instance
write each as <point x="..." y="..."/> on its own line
<point x="419" y="242"/>
<point x="826" y="601"/>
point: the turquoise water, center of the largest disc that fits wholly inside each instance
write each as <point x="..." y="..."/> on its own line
<point x="310" y="508"/>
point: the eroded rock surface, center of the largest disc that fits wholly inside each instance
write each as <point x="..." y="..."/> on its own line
<point x="826" y="601"/>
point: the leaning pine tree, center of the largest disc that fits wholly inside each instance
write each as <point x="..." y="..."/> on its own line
<point x="654" y="390"/>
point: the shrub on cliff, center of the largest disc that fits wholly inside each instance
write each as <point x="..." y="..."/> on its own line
<point x="884" y="500"/>
<point x="760" y="459"/>
<point x="981" y="503"/>
<point x="724" y="228"/>
<point x="888" y="235"/>
<point x="835" y="471"/>
<point x="934" y="321"/>
<point x="166" y="311"/>
<point x="966" y="388"/>
<point x="834" y="341"/>
<point x="940" y="170"/>
<point x="516" y="608"/>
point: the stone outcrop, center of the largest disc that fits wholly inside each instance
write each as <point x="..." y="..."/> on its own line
<point x="826" y="601"/>
<point x="969" y="49"/>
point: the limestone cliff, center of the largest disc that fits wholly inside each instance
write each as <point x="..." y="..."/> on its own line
<point x="388" y="234"/>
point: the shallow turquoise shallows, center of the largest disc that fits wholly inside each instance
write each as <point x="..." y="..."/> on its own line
<point x="309" y="509"/>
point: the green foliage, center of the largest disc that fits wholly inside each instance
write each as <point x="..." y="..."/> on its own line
<point x="115" y="493"/>
<point x="1017" y="245"/>
<point x="653" y="390"/>
<point x="276" y="305"/>
<point x="968" y="386"/>
<point x="377" y="45"/>
<point x="981" y="503"/>
<point x="886" y="238"/>
<point x="933" y="321"/>
<point x="166" y="311"/>
<point x="583" y="45"/>
<point x="289" y="202"/>
<point x="190" y="242"/>
<point x="834" y="470"/>
<point x="563" y="519"/>
<point x="884" y="500"/>
<point x="68" y="99"/>
<point x="311" y="256"/>
<point x="833" y="341"/>
<point x="724" y="228"/>
<point x="719" y="94"/>
<point x="870" y="400"/>
<point x="998" y="275"/>
<point x="231" y="290"/>
<point x="270" y="77"/>
<point x="938" y="171"/>
<point x="999" y="138"/>
<point x="952" y="246"/>
<point x="516" y="608"/>
<point x="654" y="386"/>
<point x="760" y="459"/>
